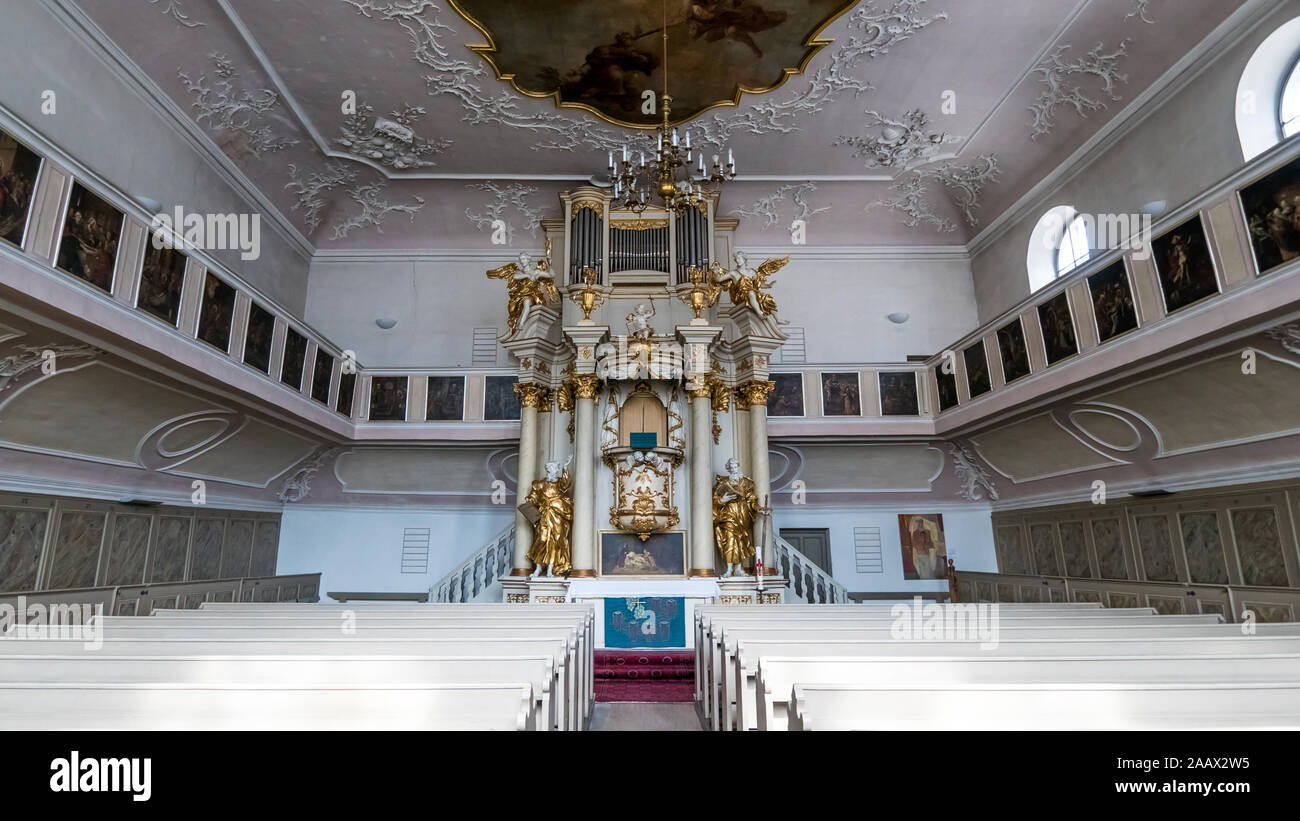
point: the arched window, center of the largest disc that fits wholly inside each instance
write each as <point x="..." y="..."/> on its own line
<point x="1059" y="243"/>
<point x="1268" y="96"/>
<point x="1289" y="109"/>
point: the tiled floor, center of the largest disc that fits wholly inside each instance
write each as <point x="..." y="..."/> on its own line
<point x="623" y="715"/>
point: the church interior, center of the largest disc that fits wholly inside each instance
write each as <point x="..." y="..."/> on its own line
<point x="713" y="365"/>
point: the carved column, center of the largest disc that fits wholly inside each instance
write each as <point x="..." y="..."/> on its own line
<point x="756" y="394"/>
<point x="701" y="441"/>
<point x="585" y="389"/>
<point x="530" y="399"/>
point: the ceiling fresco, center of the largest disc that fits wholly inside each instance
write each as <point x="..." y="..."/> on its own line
<point x="605" y="55"/>
<point x="400" y="124"/>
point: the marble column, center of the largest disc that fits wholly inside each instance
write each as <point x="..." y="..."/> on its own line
<point x="585" y="389"/>
<point x="756" y="393"/>
<point x="701" y="442"/>
<point x="530" y="399"/>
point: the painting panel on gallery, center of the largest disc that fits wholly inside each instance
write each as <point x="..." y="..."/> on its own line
<point x="162" y="278"/>
<point x="257" y="341"/>
<point x="925" y="555"/>
<point x="322" y="374"/>
<point x="500" y="402"/>
<point x="787" y="395"/>
<point x="295" y="357"/>
<point x="216" y="313"/>
<point x="841" y="394"/>
<point x="388" y="399"/>
<point x="898" y="395"/>
<point x="649" y="621"/>
<point x="660" y="555"/>
<point x="1271" y="207"/>
<point x="347" y="389"/>
<point x="19" y="169"/>
<point x="1112" y="302"/>
<point x="977" y="370"/>
<point x="1013" y="350"/>
<point x="92" y="230"/>
<point x="1185" y="265"/>
<point x="1059" y="340"/>
<point x="946" y="381"/>
<point x="446" y="399"/>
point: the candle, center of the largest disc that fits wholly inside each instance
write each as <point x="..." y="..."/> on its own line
<point x="674" y="137"/>
<point x="688" y="139"/>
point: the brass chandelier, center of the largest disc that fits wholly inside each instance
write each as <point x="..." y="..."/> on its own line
<point x="669" y="175"/>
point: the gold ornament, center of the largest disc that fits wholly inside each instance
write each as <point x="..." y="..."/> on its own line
<point x="756" y="392"/>
<point x="749" y="289"/>
<point x="704" y="291"/>
<point x="551" y="500"/>
<point x="735" y="506"/>
<point x="528" y="283"/>
<point x="532" y="395"/>
<point x="586" y="386"/>
<point x="588" y="298"/>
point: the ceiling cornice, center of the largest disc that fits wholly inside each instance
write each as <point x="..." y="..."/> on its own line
<point x="98" y="43"/>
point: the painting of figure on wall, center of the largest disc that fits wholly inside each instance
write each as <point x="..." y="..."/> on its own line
<point x="257" y="342"/>
<point x="925" y="556"/>
<point x="388" y="399"/>
<point x="91" y="231"/>
<point x="500" y="402"/>
<point x="322" y="375"/>
<point x="19" y="167"/>
<point x="1013" y="350"/>
<point x="661" y="555"/>
<point x="898" y="394"/>
<point x="787" y="396"/>
<point x="295" y="356"/>
<point x="446" y="402"/>
<point x="1112" y="302"/>
<point x="1054" y="318"/>
<point x="841" y="394"/>
<point x="606" y="55"/>
<point x="1185" y="265"/>
<point x="977" y="370"/>
<point x="216" y="312"/>
<point x="947" y="384"/>
<point x="645" y="621"/>
<point x="161" y="280"/>
<point x="1272" y="209"/>
<point x="347" y="388"/>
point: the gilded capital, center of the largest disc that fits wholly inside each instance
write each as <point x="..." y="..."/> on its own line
<point x="756" y="392"/>
<point x="586" y="386"/>
<point x="532" y="395"/>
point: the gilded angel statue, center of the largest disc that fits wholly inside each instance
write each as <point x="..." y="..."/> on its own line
<point x="747" y="285"/>
<point x="528" y="283"/>
<point x="552" y="499"/>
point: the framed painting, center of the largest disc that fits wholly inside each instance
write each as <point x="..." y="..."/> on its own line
<point x="645" y="621"/>
<point x="947" y="387"/>
<point x="898" y="395"/>
<point x="841" y="394"/>
<point x="1272" y="210"/>
<point x="1059" y="340"/>
<point x="295" y="358"/>
<point x="162" y="278"/>
<point x="446" y="399"/>
<point x="217" y="312"/>
<point x="347" y="390"/>
<point x="1013" y="350"/>
<point x="925" y="555"/>
<point x="322" y="373"/>
<point x="257" y="340"/>
<point x="977" y="370"/>
<point x="1185" y="266"/>
<point x="388" y="399"/>
<point x="92" y="230"/>
<point x="500" y="402"/>
<point x="1112" y="302"/>
<point x="624" y="555"/>
<point x="19" y="169"/>
<point x="787" y="396"/>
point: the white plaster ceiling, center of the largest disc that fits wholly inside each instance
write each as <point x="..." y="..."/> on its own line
<point x="265" y="82"/>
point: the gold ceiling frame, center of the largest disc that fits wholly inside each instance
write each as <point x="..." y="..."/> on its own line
<point x="813" y="45"/>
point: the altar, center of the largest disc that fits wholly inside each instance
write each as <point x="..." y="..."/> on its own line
<point x="643" y="482"/>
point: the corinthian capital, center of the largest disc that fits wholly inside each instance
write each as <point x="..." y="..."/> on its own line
<point x="756" y="392"/>
<point x="532" y="395"/>
<point x="586" y="386"/>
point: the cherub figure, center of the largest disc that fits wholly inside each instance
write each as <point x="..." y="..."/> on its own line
<point x="748" y="286"/>
<point x="638" y="323"/>
<point x="528" y="283"/>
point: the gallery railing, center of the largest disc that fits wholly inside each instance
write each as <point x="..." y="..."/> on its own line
<point x="143" y="599"/>
<point x="478" y="577"/>
<point x="808" y="582"/>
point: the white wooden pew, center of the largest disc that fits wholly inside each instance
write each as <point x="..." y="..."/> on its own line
<point x="169" y="706"/>
<point x="292" y="670"/>
<point x="721" y="649"/>
<point x="557" y="649"/>
<point x="1116" y="706"/>
<point x="777" y="675"/>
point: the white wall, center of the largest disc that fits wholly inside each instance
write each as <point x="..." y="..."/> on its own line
<point x="968" y="533"/>
<point x="361" y="550"/>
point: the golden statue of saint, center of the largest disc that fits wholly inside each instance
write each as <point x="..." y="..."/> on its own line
<point x="550" y="498"/>
<point x="735" y="506"/>
<point x="528" y="283"/>
<point x="748" y="286"/>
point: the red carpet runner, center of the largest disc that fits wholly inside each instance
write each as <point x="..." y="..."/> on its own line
<point x="645" y="675"/>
